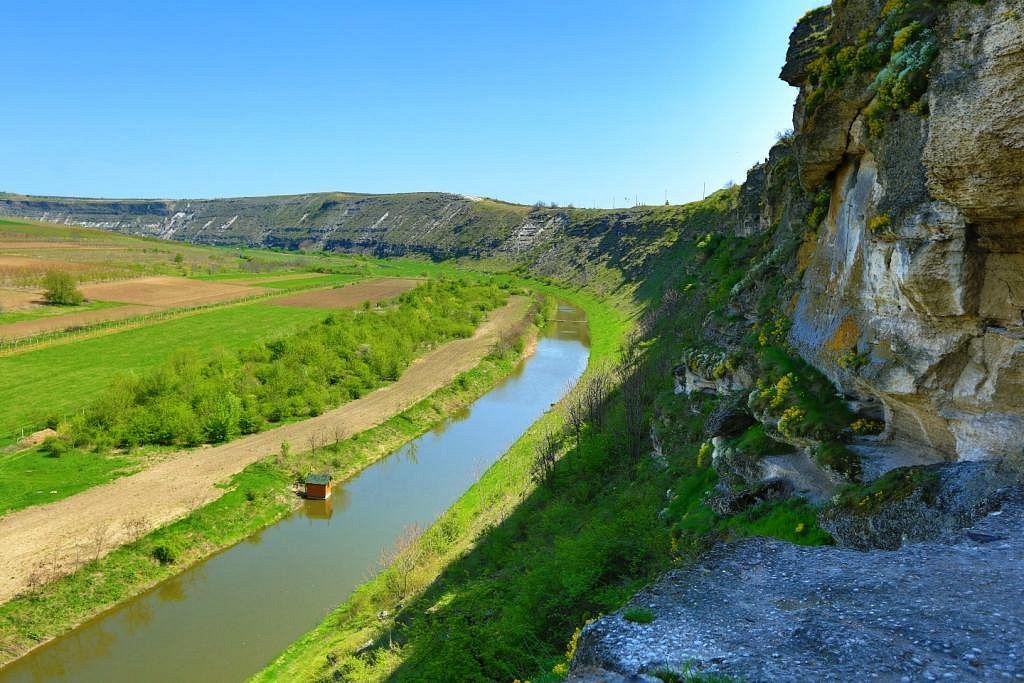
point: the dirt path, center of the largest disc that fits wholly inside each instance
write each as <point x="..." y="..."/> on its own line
<point x="30" y="328"/>
<point x="98" y="518"/>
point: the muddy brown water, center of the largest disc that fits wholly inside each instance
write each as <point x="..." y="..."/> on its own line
<point x="227" y="617"/>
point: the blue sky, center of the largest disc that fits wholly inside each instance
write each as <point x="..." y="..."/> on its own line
<point x="582" y="102"/>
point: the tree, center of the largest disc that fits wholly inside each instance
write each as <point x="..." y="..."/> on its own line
<point x="399" y="561"/>
<point x="546" y="450"/>
<point x="61" y="289"/>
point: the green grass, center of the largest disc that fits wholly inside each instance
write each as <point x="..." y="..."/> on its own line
<point x="694" y="525"/>
<point x="32" y="477"/>
<point x="53" y="310"/>
<point x="59" y="379"/>
<point x="286" y="280"/>
<point x="794" y="520"/>
<point x="254" y="499"/>
<point x="638" y="615"/>
<point x="894" y="485"/>
<point x="755" y="441"/>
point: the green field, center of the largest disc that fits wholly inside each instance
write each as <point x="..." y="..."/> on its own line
<point x="56" y="379"/>
<point x="32" y="477"/>
<point x="52" y="310"/>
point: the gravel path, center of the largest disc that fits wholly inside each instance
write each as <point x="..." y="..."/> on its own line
<point x="66" y="529"/>
<point x="762" y="610"/>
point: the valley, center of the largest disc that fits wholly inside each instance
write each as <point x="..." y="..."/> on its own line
<point x="773" y="434"/>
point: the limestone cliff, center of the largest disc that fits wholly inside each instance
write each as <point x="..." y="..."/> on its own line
<point x="918" y="268"/>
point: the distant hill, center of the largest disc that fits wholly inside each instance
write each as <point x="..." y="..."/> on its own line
<point x="434" y="223"/>
<point x="602" y="248"/>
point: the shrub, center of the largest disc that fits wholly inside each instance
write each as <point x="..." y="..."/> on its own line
<point x="60" y="289"/>
<point x="835" y="456"/>
<point x="704" y="454"/>
<point x="851" y="360"/>
<point x="164" y="554"/>
<point x="814" y="100"/>
<point x="863" y="426"/>
<point x="881" y="227"/>
<point x="55" y="446"/>
<point x="819" y="209"/>
<point x="904" y="36"/>
<point x="791" y="421"/>
<point x="892" y="486"/>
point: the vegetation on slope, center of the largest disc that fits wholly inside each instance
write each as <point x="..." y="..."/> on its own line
<point x="891" y="57"/>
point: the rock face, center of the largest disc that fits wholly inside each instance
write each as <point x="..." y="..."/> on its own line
<point x="975" y="151"/>
<point x="919" y="264"/>
<point x="765" y="610"/>
<point x="948" y="497"/>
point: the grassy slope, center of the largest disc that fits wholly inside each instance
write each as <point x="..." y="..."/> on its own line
<point x="255" y="498"/>
<point x="110" y="255"/>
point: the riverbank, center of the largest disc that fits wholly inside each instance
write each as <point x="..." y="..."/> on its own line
<point x="253" y="499"/>
<point x="366" y="621"/>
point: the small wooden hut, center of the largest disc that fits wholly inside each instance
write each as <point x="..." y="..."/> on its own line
<point x="318" y="486"/>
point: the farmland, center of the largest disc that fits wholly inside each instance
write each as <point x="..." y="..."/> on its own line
<point x="147" y="299"/>
<point x="63" y="376"/>
<point x="149" y="305"/>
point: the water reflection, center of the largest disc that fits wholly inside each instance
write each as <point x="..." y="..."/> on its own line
<point x="319" y="509"/>
<point x="172" y="590"/>
<point x="226" y="617"/>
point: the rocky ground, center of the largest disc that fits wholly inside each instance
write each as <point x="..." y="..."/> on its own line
<point x="950" y="609"/>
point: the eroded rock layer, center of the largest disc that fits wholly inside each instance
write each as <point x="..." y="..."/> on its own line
<point x="919" y="265"/>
